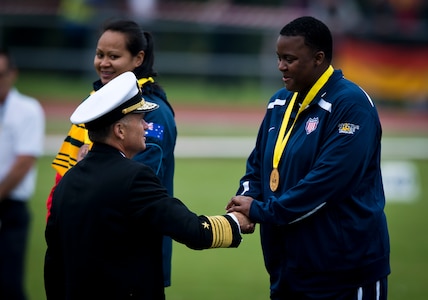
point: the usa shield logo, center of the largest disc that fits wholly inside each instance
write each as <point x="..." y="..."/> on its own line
<point x="311" y="125"/>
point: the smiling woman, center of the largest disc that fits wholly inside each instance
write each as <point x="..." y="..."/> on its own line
<point x="124" y="47"/>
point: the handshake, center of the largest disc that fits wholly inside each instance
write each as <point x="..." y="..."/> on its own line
<point x="240" y="207"/>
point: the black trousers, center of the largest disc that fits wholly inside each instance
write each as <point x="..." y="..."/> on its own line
<point x="14" y="226"/>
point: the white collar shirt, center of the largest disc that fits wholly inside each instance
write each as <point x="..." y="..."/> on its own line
<point x="22" y="132"/>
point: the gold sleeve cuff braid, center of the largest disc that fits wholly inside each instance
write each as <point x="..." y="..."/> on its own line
<point x="222" y="232"/>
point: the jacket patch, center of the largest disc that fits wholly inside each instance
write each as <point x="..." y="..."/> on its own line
<point x="348" y="128"/>
<point x="311" y="125"/>
<point x="155" y="130"/>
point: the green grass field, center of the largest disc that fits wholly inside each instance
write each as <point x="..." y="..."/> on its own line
<point x="206" y="185"/>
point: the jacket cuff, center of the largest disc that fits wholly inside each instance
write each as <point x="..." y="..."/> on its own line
<point x="225" y="232"/>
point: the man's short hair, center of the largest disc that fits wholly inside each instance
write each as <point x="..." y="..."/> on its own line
<point x="316" y="34"/>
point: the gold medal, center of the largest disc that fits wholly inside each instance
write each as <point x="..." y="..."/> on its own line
<point x="274" y="179"/>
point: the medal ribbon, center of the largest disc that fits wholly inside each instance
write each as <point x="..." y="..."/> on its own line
<point x="142" y="81"/>
<point x="281" y="143"/>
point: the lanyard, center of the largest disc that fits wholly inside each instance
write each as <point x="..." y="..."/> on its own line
<point x="282" y="139"/>
<point x="142" y="81"/>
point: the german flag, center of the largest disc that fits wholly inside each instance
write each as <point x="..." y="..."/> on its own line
<point x="387" y="72"/>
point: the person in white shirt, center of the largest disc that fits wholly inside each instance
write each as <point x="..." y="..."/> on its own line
<point x="22" y="129"/>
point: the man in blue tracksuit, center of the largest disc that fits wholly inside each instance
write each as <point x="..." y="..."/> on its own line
<point x="313" y="180"/>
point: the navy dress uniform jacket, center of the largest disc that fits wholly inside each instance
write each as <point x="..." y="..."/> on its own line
<point x="104" y="233"/>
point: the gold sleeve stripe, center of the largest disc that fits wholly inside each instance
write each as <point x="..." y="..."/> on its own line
<point x="221" y="231"/>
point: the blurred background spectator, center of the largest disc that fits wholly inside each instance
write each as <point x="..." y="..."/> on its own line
<point x="225" y="39"/>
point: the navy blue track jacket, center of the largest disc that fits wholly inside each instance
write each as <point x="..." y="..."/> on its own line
<point x="324" y="227"/>
<point x="159" y="154"/>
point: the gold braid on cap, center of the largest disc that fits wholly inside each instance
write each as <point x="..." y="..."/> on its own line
<point x="133" y="107"/>
<point x="222" y="232"/>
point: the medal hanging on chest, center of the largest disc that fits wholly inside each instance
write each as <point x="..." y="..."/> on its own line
<point x="283" y="137"/>
<point x="274" y="180"/>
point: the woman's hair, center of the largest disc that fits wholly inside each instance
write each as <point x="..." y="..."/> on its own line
<point x="136" y="40"/>
<point x="316" y="34"/>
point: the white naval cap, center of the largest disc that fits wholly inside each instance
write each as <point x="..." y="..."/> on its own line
<point x="113" y="101"/>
